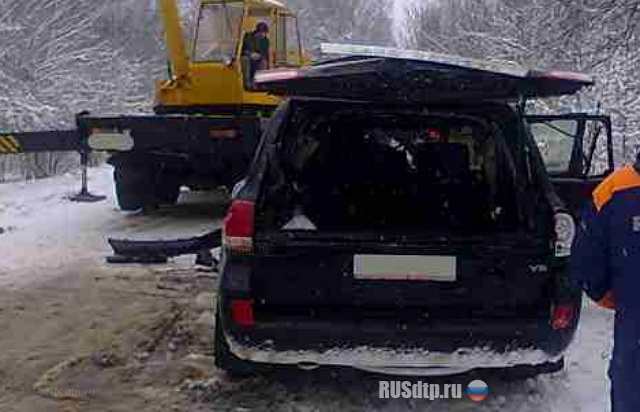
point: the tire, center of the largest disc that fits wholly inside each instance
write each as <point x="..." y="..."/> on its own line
<point x="226" y="360"/>
<point x="132" y="187"/>
<point x="139" y="187"/>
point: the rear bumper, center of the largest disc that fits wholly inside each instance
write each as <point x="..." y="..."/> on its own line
<point x="414" y="362"/>
<point x="296" y="327"/>
<point x="405" y="350"/>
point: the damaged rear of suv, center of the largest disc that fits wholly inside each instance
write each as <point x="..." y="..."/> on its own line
<point x="399" y="218"/>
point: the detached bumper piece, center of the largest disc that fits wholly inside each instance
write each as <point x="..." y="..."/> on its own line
<point x="150" y="252"/>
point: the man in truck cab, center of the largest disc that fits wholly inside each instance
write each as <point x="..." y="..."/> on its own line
<point x="255" y="52"/>
<point x="606" y="264"/>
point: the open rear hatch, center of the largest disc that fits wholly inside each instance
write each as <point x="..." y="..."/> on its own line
<point x="431" y="236"/>
<point x="370" y="73"/>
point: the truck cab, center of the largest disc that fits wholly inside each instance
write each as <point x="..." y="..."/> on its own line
<point x="207" y="117"/>
<point x="208" y="75"/>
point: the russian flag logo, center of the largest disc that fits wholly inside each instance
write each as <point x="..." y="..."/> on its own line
<point x="477" y="391"/>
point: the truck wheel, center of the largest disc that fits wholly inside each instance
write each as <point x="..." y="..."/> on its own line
<point x="226" y="360"/>
<point x="132" y="187"/>
<point x="146" y="188"/>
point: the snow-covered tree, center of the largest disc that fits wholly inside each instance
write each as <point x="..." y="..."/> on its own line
<point x="60" y="57"/>
<point x="597" y="36"/>
<point x="359" y="21"/>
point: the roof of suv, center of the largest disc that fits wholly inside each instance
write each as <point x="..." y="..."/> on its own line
<point x="371" y="73"/>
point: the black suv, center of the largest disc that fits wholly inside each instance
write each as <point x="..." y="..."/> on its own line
<point x="404" y="216"/>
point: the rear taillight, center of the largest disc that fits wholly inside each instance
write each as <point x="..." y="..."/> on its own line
<point x="242" y="312"/>
<point x="238" y="227"/>
<point x="562" y="317"/>
<point x="566" y="75"/>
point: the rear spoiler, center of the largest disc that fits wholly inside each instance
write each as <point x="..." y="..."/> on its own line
<point x="505" y="67"/>
<point x="397" y="75"/>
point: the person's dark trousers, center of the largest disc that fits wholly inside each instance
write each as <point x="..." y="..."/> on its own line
<point x="624" y="373"/>
<point x="249" y="69"/>
<point x="247" y="72"/>
<point x="625" y="394"/>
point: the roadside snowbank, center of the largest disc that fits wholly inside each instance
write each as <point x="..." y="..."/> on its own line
<point x="45" y="233"/>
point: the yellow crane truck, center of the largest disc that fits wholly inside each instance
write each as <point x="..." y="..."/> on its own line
<point x="207" y="118"/>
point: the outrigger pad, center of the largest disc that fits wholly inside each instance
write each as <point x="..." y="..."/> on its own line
<point x="86" y="197"/>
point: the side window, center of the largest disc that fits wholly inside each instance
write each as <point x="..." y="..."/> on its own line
<point x="287" y="42"/>
<point x="293" y="42"/>
<point x="218" y="32"/>
<point x="596" y="149"/>
<point x="576" y="146"/>
<point x="556" y="140"/>
<point x="281" y="41"/>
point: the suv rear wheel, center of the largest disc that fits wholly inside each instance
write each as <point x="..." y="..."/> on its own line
<point x="224" y="358"/>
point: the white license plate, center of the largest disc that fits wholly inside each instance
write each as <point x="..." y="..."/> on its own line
<point x="396" y="267"/>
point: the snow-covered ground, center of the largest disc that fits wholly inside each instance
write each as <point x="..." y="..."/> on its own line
<point x="43" y="232"/>
<point x="42" y="235"/>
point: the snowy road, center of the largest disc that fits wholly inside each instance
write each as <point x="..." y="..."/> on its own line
<point x="44" y="232"/>
<point x="42" y="235"/>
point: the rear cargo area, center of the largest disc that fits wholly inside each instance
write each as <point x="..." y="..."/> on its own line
<point x="395" y="216"/>
<point x="390" y="172"/>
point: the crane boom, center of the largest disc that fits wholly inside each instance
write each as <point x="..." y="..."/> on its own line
<point x="175" y="42"/>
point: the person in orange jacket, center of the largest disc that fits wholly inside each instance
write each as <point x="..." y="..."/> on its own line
<point x="605" y="263"/>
